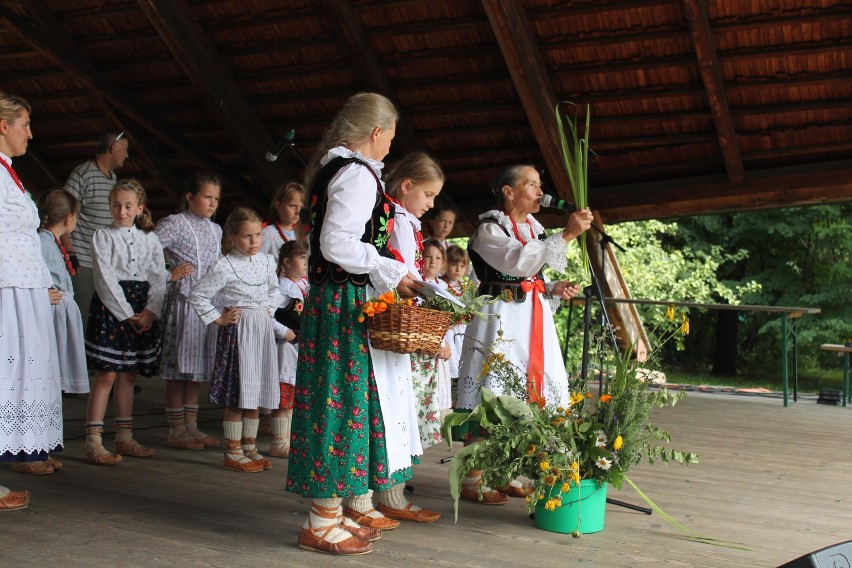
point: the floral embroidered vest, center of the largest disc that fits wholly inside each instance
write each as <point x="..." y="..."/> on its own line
<point x="376" y="231"/>
<point x="492" y="281"/>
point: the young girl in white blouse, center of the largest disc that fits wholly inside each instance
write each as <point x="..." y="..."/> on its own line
<point x="192" y="243"/>
<point x="245" y="373"/>
<point x="122" y="337"/>
<point x="293" y="285"/>
<point x="287" y="204"/>
<point x="412" y="186"/>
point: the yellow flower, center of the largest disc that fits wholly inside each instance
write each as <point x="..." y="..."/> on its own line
<point x="544" y="465"/>
<point x="618" y="443"/>
<point x="530" y="449"/>
<point x="566" y="487"/>
<point x="553" y="503"/>
<point x="550" y="480"/>
<point x="670" y="313"/>
<point x="575" y="477"/>
<point x="576" y="398"/>
<point x="684" y="327"/>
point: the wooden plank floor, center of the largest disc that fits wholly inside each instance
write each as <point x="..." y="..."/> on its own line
<point x="772" y="479"/>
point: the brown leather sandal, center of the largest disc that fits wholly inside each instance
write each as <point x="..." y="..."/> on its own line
<point x="490" y="497"/>
<point x="184" y="443"/>
<point x="252" y="453"/>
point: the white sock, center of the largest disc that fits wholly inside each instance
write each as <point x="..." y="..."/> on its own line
<point x="233" y="433"/>
<point x="317" y="522"/>
<point x="395" y="498"/>
<point x="4" y="491"/>
<point x="364" y="504"/>
<point x="281" y="428"/>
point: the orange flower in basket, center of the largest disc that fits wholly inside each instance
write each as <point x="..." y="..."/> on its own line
<point x="387" y="298"/>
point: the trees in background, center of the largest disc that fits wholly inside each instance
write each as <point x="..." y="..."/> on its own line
<point x="784" y="257"/>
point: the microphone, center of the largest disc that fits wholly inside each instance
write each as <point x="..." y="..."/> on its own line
<point x="555" y="203"/>
<point x="287" y="140"/>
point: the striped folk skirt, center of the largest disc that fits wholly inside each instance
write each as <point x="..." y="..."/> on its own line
<point x="245" y="374"/>
<point x="189" y="346"/>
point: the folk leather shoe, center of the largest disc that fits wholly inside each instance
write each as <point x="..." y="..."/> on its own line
<point x="490" y="497"/>
<point x="184" y="443"/>
<point x="133" y="449"/>
<point x="15" y="500"/>
<point x="315" y="538"/>
<point x="419" y="516"/>
<point x="249" y="466"/>
<point x="33" y="468"/>
<point x="378" y="523"/>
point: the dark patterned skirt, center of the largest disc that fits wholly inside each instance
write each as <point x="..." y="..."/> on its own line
<point x="113" y="346"/>
<point x="337" y="440"/>
<point x="225" y="382"/>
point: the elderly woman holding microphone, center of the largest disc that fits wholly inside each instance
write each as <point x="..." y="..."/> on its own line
<point x="508" y="251"/>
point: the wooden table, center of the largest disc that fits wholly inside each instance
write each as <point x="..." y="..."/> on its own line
<point x="845" y="377"/>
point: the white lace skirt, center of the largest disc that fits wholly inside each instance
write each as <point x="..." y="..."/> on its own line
<point x="30" y="387"/>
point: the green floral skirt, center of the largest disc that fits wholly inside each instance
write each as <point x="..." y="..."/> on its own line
<point x="337" y="441"/>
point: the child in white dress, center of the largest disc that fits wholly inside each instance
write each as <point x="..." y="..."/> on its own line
<point x="123" y="337"/>
<point x="245" y="374"/>
<point x="293" y="285"/>
<point x="412" y="186"/>
<point x="58" y="214"/>
<point x="458" y="265"/>
<point x="192" y="243"/>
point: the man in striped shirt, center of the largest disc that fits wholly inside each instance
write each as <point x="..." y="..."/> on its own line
<point x="90" y="183"/>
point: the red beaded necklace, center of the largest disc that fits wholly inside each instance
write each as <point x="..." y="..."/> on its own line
<point x="280" y="231"/>
<point x="65" y="254"/>
<point x="14" y="176"/>
<point x="517" y="231"/>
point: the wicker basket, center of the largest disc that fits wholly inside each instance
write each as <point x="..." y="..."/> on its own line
<point x="409" y="329"/>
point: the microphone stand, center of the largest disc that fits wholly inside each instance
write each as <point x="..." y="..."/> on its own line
<point x="595" y="289"/>
<point x="606" y="326"/>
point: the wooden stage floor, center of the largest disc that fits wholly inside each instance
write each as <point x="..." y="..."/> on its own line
<point x="772" y="479"/>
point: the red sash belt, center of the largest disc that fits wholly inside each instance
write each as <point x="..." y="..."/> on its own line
<point x="535" y="369"/>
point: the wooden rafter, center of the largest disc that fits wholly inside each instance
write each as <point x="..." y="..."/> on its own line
<point x="226" y="101"/>
<point x="517" y="43"/>
<point x="708" y="65"/>
<point x="780" y="187"/>
<point x="39" y="11"/>
<point x="61" y="50"/>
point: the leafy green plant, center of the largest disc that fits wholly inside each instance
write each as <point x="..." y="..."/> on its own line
<point x="473" y="304"/>
<point x="555" y="447"/>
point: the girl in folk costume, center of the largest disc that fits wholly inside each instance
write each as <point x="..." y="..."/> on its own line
<point x="58" y="212"/>
<point x="122" y="337"/>
<point x="246" y="369"/>
<point x="458" y="265"/>
<point x="353" y="420"/>
<point x="293" y="286"/>
<point x="412" y="186"/>
<point x="192" y="243"/>
<point x="439" y="224"/>
<point x="509" y="251"/>
<point x="287" y="204"/>
<point x="437" y="369"/>
<point x="29" y="373"/>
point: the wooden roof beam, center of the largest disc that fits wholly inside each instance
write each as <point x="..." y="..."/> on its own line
<point x="224" y="98"/>
<point x="708" y="64"/>
<point x="78" y="65"/>
<point x="782" y="187"/>
<point x="517" y="42"/>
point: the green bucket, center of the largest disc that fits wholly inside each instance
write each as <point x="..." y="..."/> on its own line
<point x="584" y="506"/>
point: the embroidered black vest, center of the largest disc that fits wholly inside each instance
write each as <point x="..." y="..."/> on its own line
<point x="492" y="281"/>
<point x="375" y="230"/>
